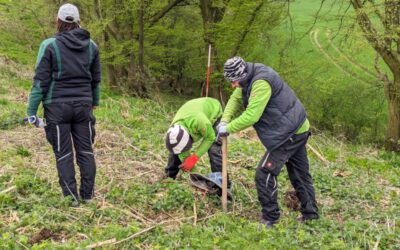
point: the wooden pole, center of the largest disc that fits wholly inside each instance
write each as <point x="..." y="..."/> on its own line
<point x="224" y="174"/>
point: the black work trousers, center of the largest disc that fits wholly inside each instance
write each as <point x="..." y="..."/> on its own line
<point x="214" y="153"/>
<point x="72" y="125"/>
<point x="292" y="153"/>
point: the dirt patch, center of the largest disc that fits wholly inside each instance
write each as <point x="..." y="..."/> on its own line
<point x="45" y="234"/>
<point x="249" y="133"/>
<point x="291" y="201"/>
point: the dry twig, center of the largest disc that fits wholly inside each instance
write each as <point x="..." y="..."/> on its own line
<point x="8" y="189"/>
<point x="322" y="158"/>
<point x="100" y="244"/>
<point x="113" y="242"/>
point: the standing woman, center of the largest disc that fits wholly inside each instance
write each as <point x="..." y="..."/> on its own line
<point x="67" y="82"/>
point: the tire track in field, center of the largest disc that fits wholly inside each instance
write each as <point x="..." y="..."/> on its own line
<point x="341" y="53"/>
<point x="315" y="42"/>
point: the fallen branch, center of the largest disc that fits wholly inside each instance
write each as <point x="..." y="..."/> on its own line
<point x="8" y="189"/>
<point x="135" y="176"/>
<point x="136" y="234"/>
<point x="195" y="213"/>
<point x="100" y="244"/>
<point x="113" y="242"/>
<point x="126" y="212"/>
<point x="322" y="158"/>
<point x="377" y="244"/>
<point x="247" y="192"/>
<point x="149" y="152"/>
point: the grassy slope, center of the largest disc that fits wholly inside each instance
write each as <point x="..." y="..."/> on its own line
<point x="358" y="193"/>
<point x="330" y="82"/>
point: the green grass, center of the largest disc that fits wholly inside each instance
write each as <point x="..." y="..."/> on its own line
<point x="357" y="210"/>
<point x="338" y="95"/>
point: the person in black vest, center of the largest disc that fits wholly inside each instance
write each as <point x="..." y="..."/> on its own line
<point x="67" y="82"/>
<point x="281" y="123"/>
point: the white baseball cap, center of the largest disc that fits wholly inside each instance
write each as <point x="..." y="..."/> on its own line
<point x="68" y="13"/>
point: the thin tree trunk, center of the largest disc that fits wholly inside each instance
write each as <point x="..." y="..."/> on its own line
<point x="393" y="131"/>
<point x="110" y="69"/>
<point x="212" y="14"/>
<point x="141" y="38"/>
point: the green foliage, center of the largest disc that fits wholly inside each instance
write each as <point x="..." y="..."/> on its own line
<point x="22" y="151"/>
<point x="329" y="69"/>
<point x="357" y="193"/>
<point x="330" y="65"/>
<point x="174" y="196"/>
<point x="351" y="218"/>
<point x="10" y="120"/>
<point x="28" y="184"/>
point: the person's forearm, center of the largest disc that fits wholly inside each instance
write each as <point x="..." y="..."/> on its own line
<point x="234" y="103"/>
<point x="258" y="100"/>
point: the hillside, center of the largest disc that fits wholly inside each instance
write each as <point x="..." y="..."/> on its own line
<point x="358" y="192"/>
<point x="330" y="66"/>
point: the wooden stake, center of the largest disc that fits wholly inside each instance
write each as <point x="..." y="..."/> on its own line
<point x="224" y="174"/>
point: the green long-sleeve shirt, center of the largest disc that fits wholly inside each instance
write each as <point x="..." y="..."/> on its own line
<point x="259" y="96"/>
<point x="198" y="117"/>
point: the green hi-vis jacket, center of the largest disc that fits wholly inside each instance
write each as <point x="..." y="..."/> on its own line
<point x="198" y="117"/>
<point x="259" y="97"/>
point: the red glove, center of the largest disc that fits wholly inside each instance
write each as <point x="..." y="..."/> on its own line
<point x="189" y="162"/>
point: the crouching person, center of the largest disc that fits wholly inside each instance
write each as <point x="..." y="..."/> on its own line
<point x="196" y="120"/>
<point x="66" y="81"/>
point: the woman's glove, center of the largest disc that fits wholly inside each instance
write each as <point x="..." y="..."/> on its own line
<point x="190" y="162"/>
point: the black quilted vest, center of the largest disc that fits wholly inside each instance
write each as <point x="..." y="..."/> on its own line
<point x="284" y="113"/>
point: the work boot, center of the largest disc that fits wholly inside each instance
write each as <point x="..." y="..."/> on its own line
<point x="267" y="223"/>
<point x="74" y="203"/>
<point x="86" y="201"/>
<point x="303" y="219"/>
<point x="164" y="176"/>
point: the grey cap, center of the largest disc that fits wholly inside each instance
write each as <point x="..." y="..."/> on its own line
<point x="235" y="69"/>
<point x="68" y="13"/>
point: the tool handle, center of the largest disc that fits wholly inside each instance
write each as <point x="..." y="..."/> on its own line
<point x="224" y="174"/>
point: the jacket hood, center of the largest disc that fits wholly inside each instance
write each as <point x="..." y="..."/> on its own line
<point x="76" y="39"/>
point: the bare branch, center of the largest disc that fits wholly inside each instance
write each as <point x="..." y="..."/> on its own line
<point x="315" y="20"/>
<point x="341" y="21"/>
<point x="164" y="11"/>
<point x="290" y="21"/>
<point x="247" y="29"/>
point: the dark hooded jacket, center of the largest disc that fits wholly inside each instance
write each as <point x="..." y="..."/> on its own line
<point x="67" y="70"/>
<point x="284" y="113"/>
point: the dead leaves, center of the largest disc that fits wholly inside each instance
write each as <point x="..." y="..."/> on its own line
<point x="341" y="173"/>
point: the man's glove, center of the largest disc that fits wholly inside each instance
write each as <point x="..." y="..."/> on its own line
<point x="222" y="131"/>
<point x="190" y="162"/>
<point x="221" y="124"/>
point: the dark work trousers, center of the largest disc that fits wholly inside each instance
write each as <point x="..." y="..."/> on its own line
<point x="214" y="153"/>
<point x="292" y="153"/>
<point x="72" y="124"/>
